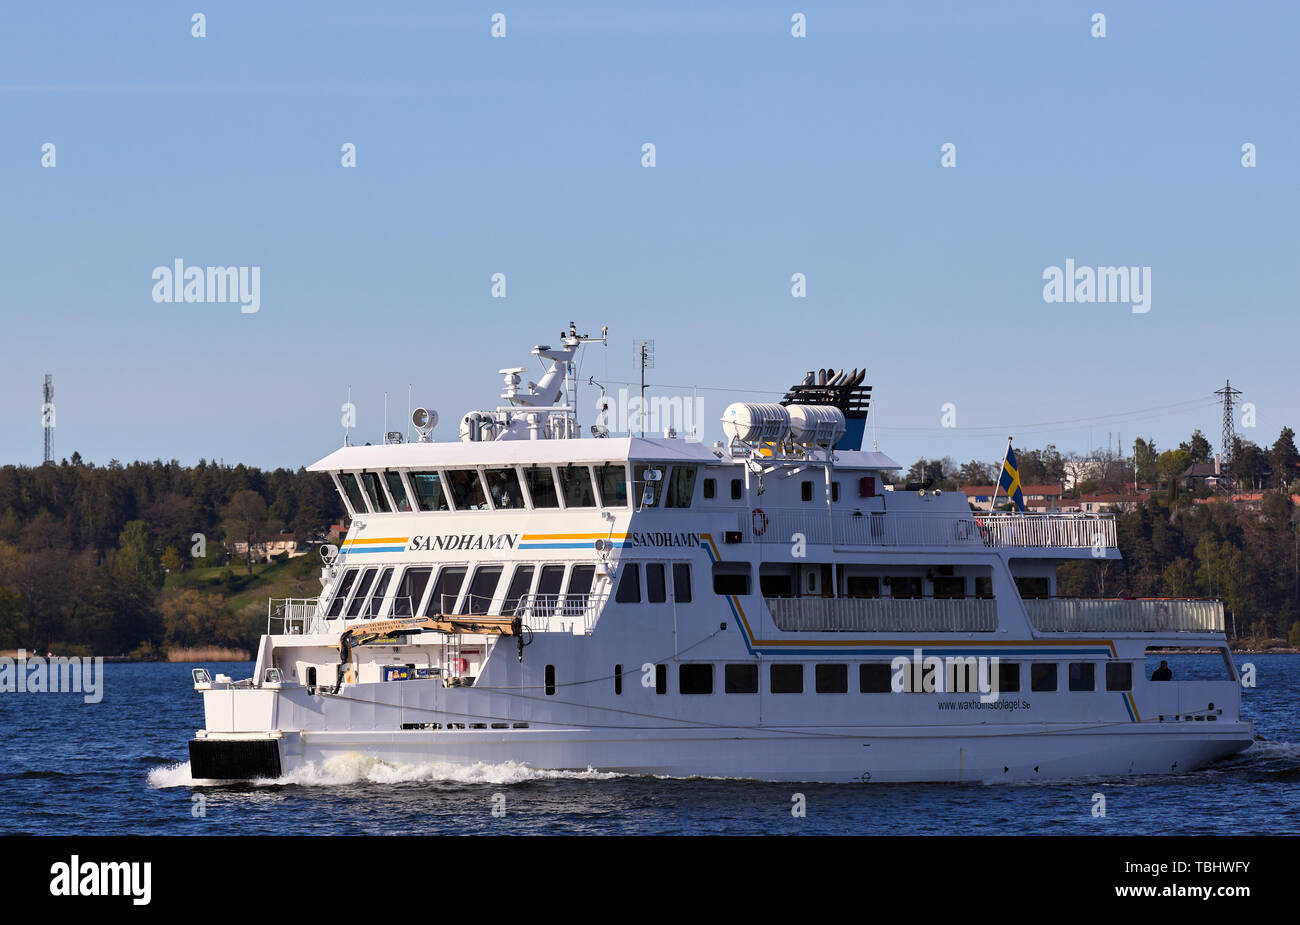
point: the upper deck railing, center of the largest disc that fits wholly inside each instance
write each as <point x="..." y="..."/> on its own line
<point x="883" y="614"/>
<point x="290" y="616"/>
<point x="1066" y="531"/>
<point x="1120" y="615"/>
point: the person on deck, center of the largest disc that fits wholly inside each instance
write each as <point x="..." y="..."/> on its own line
<point x="1162" y="673"/>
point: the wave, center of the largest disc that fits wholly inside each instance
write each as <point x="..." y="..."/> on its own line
<point x="356" y="768"/>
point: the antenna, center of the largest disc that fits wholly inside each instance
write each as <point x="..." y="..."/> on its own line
<point x="645" y="356"/>
<point x="47" y="417"/>
<point x="1229" y="424"/>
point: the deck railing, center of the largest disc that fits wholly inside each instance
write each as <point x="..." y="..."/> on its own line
<point x="290" y="616"/>
<point x="564" y="613"/>
<point x="1075" y="531"/>
<point x="1144" y="615"/>
<point x="883" y="614"/>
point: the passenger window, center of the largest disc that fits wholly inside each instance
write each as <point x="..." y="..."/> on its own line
<point x="835" y="491"/>
<point x="1083" y="676"/>
<point x="482" y="589"/>
<point x="832" y="679"/>
<point x="466" y="490"/>
<point x="1042" y="676"/>
<point x="710" y="489"/>
<point x="353" y="491"/>
<point x="787" y="678"/>
<point x="576" y="481"/>
<point x="446" y="589"/>
<point x="952" y="588"/>
<point x="874" y="678"/>
<point x="541" y="487"/>
<point x="548" y="590"/>
<point x="428" y="491"/>
<point x="805" y="490"/>
<point x="520" y="582"/>
<point x="1008" y="677"/>
<point x="410" y="590"/>
<point x="740" y="679"/>
<point x="629" y="584"/>
<point x="661" y="679"/>
<point x="656" y="590"/>
<point x="731" y="577"/>
<point x="377" y="596"/>
<point x="695" y="678"/>
<point x="612" y="479"/>
<point x="579" y="587"/>
<point x="504" y="485"/>
<point x="681" y="487"/>
<point x="397" y="489"/>
<point x="341" y="595"/>
<point x="375" y="492"/>
<point x="682" y="582"/>
<point x="363" y="588"/>
<point x="905" y="586"/>
<point x="737" y="489"/>
<point x="1119" y="676"/>
<point x="862" y="586"/>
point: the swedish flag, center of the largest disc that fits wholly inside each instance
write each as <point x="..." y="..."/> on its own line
<point x="1009" y="481"/>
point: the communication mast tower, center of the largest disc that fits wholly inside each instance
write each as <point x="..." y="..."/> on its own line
<point x="47" y="417"/>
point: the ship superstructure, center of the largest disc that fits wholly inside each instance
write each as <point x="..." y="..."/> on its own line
<point x="767" y="607"/>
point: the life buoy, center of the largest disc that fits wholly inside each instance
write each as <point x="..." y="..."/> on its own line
<point x="459" y="664"/>
<point x="760" y="522"/>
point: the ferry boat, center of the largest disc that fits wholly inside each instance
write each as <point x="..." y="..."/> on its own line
<point x="766" y="607"/>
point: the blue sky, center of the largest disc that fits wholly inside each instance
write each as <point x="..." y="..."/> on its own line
<point x="522" y="156"/>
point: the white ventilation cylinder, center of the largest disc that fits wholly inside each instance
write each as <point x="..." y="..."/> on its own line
<point x="756" y="422"/>
<point x="816" y="425"/>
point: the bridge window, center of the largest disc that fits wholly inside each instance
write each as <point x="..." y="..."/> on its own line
<point x="786" y="678"/>
<point x="446" y="589"/>
<point x="1083" y="676"/>
<point x="737" y="489"/>
<point x="1008" y="677"/>
<point x="520" y="582"/>
<point x="548" y="589"/>
<point x="482" y="589"/>
<point x="874" y="678"/>
<point x="541" y="487"/>
<point x="1119" y="676"/>
<point x="395" y="487"/>
<point x="363" y="588"/>
<point x="710" y="489"/>
<point x="656" y="588"/>
<point x="805" y="490"/>
<point x="612" y="479"/>
<point x="835" y="491"/>
<point x="661" y="679"/>
<point x="576" y="482"/>
<point x="695" y="678"/>
<point x="831" y="679"/>
<point x="410" y="590"/>
<point x="377" y="596"/>
<point x="682" y="582"/>
<point x="466" y="490"/>
<point x="353" y="492"/>
<point x="649" y="495"/>
<point x="681" y="487"/>
<point x="580" y="581"/>
<point x="629" y="584"/>
<point x="375" y="492"/>
<point x="341" y="595"/>
<point x="740" y="679"/>
<point x="428" y="491"/>
<point x="504" y="487"/>
<point x="731" y="577"/>
<point x="1042" y="676"/>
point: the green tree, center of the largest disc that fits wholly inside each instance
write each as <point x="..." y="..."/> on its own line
<point x="245" y="520"/>
<point x="135" y="559"/>
<point x="1145" y="458"/>
<point x="1198" y="448"/>
<point x="1284" y="459"/>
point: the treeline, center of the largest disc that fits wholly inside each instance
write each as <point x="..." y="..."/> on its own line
<point x="85" y="550"/>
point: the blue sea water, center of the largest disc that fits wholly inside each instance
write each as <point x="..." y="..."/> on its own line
<point x="119" y="767"/>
